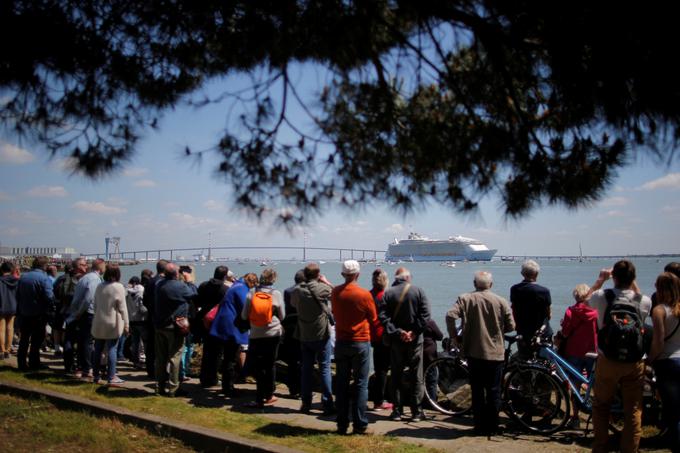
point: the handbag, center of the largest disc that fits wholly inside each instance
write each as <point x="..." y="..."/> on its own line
<point x="182" y="325"/>
<point x="210" y="316"/>
<point x="386" y="338"/>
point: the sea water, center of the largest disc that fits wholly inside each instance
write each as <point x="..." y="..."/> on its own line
<point x="442" y="284"/>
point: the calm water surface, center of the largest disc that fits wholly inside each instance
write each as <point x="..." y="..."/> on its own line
<point x="443" y="284"/>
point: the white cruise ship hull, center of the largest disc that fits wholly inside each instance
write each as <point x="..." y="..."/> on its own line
<point x="434" y="250"/>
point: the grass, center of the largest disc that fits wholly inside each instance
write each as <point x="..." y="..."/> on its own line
<point x="246" y="425"/>
<point x="36" y="425"/>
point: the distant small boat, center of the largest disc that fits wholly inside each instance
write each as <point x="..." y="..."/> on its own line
<point x="448" y="264"/>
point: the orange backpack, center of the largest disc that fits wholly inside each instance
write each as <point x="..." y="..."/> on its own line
<point x="261" y="309"/>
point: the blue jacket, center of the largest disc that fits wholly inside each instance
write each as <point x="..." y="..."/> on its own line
<point x="172" y="300"/>
<point x="231" y="306"/>
<point x="83" y="296"/>
<point x="34" y="294"/>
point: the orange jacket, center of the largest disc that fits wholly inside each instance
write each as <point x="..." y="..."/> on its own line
<point x="354" y="312"/>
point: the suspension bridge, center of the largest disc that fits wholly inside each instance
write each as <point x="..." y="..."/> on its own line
<point x="175" y="253"/>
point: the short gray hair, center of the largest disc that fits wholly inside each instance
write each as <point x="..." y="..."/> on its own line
<point x="530" y="269"/>
<point x="483" y="280"/>
<point x="402" y="274"/>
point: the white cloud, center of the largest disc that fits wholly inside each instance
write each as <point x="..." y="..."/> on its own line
<point x="26" y="217"/>
<point x="621" y="232"/>
<point x="615" y="213"/>
<point x="10" y="154"/>
<point x="395" y="228"/>
<point x="4" y="196"/>
<point x="670" y="181"/>
<point x="670" y="209"/>
<point x="98" y="207"/>
<point x="135" y="172"/>
<point x="47" y="192"/>
<point x="145" y="183"/>
<point x="214" y="205"/>
<point x="67" y="164"/>
<point x="614" y="201"/>
<point x="185" y="220"/>
<point x="117" y="201"/>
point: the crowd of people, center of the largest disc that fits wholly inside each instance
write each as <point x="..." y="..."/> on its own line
<point x="245" y="325"/>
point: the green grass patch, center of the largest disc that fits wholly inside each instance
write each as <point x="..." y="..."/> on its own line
<point x="37" y="425"/>
<point x="251" y="426"/>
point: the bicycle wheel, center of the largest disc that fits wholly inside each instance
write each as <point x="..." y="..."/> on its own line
<point x="452" y="394"/>
<point x="652" y="424"/>
<point x="536" y="400"/>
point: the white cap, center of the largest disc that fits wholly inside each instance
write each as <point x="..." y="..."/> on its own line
<point x="350" y="267"/>
<point x="230" y="274"/>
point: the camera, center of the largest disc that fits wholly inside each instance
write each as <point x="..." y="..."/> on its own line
<point x="185" y="269"/>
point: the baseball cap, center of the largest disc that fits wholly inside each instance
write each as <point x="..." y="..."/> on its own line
<point x="350" y="267"/>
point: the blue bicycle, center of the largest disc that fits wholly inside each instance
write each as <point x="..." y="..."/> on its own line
<point x="535" y="394"/>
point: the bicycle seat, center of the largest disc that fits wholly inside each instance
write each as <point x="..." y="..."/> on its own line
<point x="591" y="355"/>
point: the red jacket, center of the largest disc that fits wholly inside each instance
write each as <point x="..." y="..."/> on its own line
<point x="580" y="327"/>
<point x="377" y="333"/>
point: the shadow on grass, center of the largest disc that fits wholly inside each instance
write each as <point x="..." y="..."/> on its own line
<point x="122" y="392"/>
<point x="283" y="430"/>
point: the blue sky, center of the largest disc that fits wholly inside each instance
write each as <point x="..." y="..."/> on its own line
<point x="161" y="200"/>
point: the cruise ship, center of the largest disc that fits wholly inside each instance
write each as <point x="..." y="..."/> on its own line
<point x="421" y="248"/>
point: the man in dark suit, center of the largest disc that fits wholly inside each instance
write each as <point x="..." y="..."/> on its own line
<point x="530" y="304"/>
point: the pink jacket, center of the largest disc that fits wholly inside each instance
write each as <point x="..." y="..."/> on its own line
<point x="580" y="327"/>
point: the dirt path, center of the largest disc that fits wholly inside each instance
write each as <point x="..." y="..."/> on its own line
<point x="437" y="431"/>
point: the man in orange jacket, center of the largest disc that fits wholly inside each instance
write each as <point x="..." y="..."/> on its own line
<point x="355" y="318"/>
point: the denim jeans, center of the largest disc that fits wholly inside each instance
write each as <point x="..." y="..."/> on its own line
<point x="111" y="349"/>
<point x="185" y="363"/>
<point x="121" y="347"/>
<point x="668" y="379"/>
<point x="317" y="351"/>
<point x="352" y="361"/>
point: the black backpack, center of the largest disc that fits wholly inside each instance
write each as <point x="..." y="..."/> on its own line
<point x="621" y="337"/>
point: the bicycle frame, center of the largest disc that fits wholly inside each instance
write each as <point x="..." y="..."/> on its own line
<point x="564" y="370"/>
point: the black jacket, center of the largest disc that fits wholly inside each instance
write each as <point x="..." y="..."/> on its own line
<point x="210" y="293"/>
<point x="8" y="295"/>
<point x="413" y="314"/>
<point x="431" y="336"/>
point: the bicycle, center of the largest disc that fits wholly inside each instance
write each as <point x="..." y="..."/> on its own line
<point x="452" y="394"/>
<point x="535" y="396"/>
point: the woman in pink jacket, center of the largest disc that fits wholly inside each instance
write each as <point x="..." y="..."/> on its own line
<point x="579" y="331"/>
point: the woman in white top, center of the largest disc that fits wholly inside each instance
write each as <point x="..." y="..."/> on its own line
<point x="665" y="352"/>
<point x="110" y="322"/>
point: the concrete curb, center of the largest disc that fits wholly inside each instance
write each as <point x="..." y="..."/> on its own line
<point x="202" y="439"/>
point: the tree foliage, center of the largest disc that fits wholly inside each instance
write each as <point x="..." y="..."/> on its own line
<point x="539" y="102"/>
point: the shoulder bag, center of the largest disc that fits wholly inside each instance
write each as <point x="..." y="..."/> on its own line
<point x="386" y="338"/>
